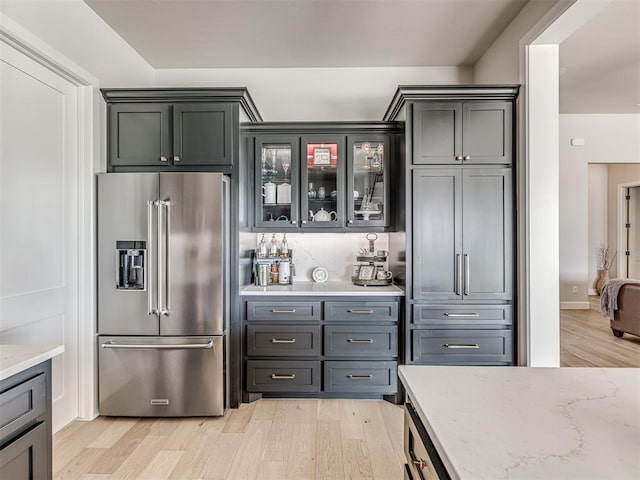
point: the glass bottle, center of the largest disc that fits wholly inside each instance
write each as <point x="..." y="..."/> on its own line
<point x="262" y="248"/>
<point x="284" y="248"/>
<point x="273" y="247"/>
<point x="312" y="191"/>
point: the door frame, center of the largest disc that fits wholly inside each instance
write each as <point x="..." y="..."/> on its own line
<point x="620" y="225"/>
<point x="89" y="162"/>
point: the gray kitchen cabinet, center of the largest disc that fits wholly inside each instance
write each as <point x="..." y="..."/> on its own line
<point x="459" y="218"/>
<point x="463" y="346"/>
<point x="472" y="132"/>
<point x="169" y="129"/>
<point x="25" y="424"/>
<point x="463" y="218"/>
<point x="139" y="134"/>
<point x="340" y="346"/>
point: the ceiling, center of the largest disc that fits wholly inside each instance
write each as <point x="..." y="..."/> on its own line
<point x="602" y="58"/>
<point x="308" y="33"/>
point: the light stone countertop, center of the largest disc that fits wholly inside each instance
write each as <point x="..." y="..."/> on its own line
<point x="17" y="358"/>
<point x="327" y="289"/>
<point x="516" y="422"/>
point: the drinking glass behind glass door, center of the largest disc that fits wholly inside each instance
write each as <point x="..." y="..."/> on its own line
<point x="275" y="194"/>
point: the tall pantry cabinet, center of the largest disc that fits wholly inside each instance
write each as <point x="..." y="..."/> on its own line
<point x="456" y="240"/>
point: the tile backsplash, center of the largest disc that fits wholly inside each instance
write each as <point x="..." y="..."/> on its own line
<point x="334" y="251"/>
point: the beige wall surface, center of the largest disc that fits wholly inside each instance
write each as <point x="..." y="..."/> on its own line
<point x="607" y="139"/>
<point x="598" y="211"/>
<point x="317" y="94"/>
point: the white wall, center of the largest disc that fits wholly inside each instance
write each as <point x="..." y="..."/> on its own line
<point x="77" y="32"/>
<point x="608" y="139"/>
<point x="317" y="94"/>
<point x="500" y="63"/>
<point x="598" y="210"/>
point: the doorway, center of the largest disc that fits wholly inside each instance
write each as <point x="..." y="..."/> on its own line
<point x="629" y="231"/>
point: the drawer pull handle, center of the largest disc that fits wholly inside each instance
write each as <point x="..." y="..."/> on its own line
<point x="283" y="340"/>
<point x="421" y="464"/>
<point x="353" y="340"/>
<point x="283" y="377"/>
<point x="463" y="315"/>
<point x="360" y="312"/>
<point x="461" y="345"/>
<point x="274" y="310"/>
<point x="360" y="377"/>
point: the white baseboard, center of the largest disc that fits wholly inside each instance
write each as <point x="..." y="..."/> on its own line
<point x="574" y="305"/>
<point x="592" y="291"/>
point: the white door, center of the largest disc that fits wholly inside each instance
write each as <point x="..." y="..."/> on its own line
<point x="39" y="218"/>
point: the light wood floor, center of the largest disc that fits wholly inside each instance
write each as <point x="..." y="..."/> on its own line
<point x="267" y="439"/>
<point x="586" y="340"/>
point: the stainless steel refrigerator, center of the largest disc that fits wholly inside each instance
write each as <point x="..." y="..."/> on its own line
<point x="163" y="294"/>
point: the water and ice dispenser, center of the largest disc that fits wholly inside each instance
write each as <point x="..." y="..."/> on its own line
<point x="131" y="265"/>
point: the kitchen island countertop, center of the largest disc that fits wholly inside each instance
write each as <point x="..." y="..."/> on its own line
<point x="17" y="358"/>
<point x="328" y="289"/>
<point x="517" y="422"/>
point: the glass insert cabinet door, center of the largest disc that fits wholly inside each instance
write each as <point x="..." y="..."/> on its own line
<point x="367" y="201"/>
<point x="322" y="183"/>
<point x="277" y="182"/>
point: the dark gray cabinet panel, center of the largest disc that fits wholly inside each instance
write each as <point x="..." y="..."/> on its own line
<point x="140" y="134"/>
<point x="279" y="310"/>
<point x="437" y="133"/>
<point x="462" y="234"/>
<point x="26" y="456"/>
<point x="437" y="234"/>
<point x="203" y="134"/>
<point x="361" y="311"/>
<point x="488" y="132"/>
<point x="487" y="244"/>
<point x="360" y="341"/>
<point x="283" y="376"/>
<point x="284" y="340"/>
<point x="25" y="423"/>
<point x="457" y="133"/>
<point x="448" y="316"/>
<point x="463" y="346"/>
<point x="372" y="377"/>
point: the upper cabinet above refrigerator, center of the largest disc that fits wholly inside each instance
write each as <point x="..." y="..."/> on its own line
<point x="185" y="129"/>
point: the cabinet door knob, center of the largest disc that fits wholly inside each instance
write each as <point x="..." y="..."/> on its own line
<point x="176" y="158"/>
<point x="458" y="157"/>
<point x="466" y="157"/>
<point x="350" y="222"/>
<point x="304" y="222"/>
<point x="163" y="159"/>
<point x="293" y="222"/>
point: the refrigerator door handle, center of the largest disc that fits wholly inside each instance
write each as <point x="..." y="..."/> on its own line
<point x="150" y="309"/>
<point x="112" y="344"/>
<point x="161" y="265"/>
<point x="167" y="248"/>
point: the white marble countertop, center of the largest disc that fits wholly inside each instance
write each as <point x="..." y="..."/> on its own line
<point x="516" y="422"/>
<point x="337" y="289"/>
<point x="17" y="358"/>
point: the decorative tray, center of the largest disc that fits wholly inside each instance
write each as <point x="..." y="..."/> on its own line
<point x="371" y="283"/>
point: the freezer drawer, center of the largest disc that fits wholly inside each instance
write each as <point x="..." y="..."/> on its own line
<point x="162" y="376"/>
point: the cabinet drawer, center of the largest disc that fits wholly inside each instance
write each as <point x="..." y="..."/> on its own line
<point x="454" y="347"/>
<point x="451" y="315"/>
<point x="283" y="376"/>
<point x="283" y="340"/>
<point x="366" y="311"/>
<point x="257" y="311"/>
<point x="366" y="377"/>
<point x="360" y="341"/>
<point x="22" y="404"/>
<point x="27" y="455"/>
